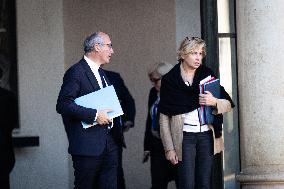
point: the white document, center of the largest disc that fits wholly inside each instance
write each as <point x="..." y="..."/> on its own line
<point x="104" y="98"/>
<point x="206" y="79"/>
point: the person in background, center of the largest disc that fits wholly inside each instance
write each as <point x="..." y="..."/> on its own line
<point x="8" y="121"/>
<point x="95" y="149"/>
<point x="126" y="121"/>
<point x="5" y="67"/>
<point x="187" y="143"/>
<point x="162" y="171"/>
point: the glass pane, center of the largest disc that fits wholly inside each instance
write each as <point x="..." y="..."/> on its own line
<point x="228" y="78"/>
<point x="226" y="16"/>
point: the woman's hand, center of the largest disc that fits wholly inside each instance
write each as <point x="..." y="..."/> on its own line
<point x="207" y="99"/>
<point x="172" y="156"/>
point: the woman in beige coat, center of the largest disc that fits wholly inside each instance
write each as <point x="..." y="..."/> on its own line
<point x="186" y="141"/>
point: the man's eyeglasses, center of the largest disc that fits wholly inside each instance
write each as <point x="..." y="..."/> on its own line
<point x="155" y="80"/>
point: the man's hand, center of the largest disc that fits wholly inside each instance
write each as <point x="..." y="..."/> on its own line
<point x="102" y="117"/>
<point x="207" y="99"/>
<point x="146" y="156"/>
<point x="172" y="156"/>
<point x="127" y="125"/>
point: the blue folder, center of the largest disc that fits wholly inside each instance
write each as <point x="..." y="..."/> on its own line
<point x="104" y="98"/>
<point x="206" y="116"/>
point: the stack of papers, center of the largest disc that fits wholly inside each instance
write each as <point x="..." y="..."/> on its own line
<point x="104" y="98"/>
<point x="205" y="112"/>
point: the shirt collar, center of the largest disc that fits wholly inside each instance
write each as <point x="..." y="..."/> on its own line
<point x="93" y="65"/>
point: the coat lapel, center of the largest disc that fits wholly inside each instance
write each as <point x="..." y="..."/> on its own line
<point x="90" y="75"/>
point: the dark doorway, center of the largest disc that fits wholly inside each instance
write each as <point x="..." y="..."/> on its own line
<point x="8" y="50"/>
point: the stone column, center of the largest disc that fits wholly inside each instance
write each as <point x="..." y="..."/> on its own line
<point x="260" y="42"/>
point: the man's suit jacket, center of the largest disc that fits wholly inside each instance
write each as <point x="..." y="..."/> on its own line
<point x="126" y="101"/>
<point x="79" y="80"/>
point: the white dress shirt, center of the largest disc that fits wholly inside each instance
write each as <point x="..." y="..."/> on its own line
<point x="95" y="69"/>
<point x="192" y="124"/>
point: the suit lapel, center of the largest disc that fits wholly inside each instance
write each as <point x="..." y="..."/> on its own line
<point x="90" y="75"/>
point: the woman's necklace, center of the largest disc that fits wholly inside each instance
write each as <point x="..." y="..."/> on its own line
<point x="187" y="76"/>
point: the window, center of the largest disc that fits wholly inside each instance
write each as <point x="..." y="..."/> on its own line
<point x="218" y="30"/>
<point x="228" y="77"/>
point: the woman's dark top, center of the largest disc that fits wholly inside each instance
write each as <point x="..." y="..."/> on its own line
<point x="178" y="98"/>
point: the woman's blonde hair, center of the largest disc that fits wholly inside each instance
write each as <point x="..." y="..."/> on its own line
<point x="189" y="44"/>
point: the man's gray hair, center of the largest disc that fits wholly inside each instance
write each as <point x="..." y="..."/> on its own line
<point x="160" y="68"/>
<point x="90" y="41"/>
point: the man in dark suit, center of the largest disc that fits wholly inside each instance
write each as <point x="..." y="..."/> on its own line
<point x="126" y="121"/>
<point x="94" y="150"/>
<point x="8" y="120"/>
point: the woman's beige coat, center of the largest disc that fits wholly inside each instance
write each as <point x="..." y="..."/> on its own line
<point x="171" y="129"/>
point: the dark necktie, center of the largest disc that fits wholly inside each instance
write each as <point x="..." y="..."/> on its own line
<point x="103" y="77"/>
<point x="154" y="112"/>
<point x="104" y="82"/>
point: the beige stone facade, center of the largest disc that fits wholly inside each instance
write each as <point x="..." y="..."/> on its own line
<point x="261" y="98"/>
